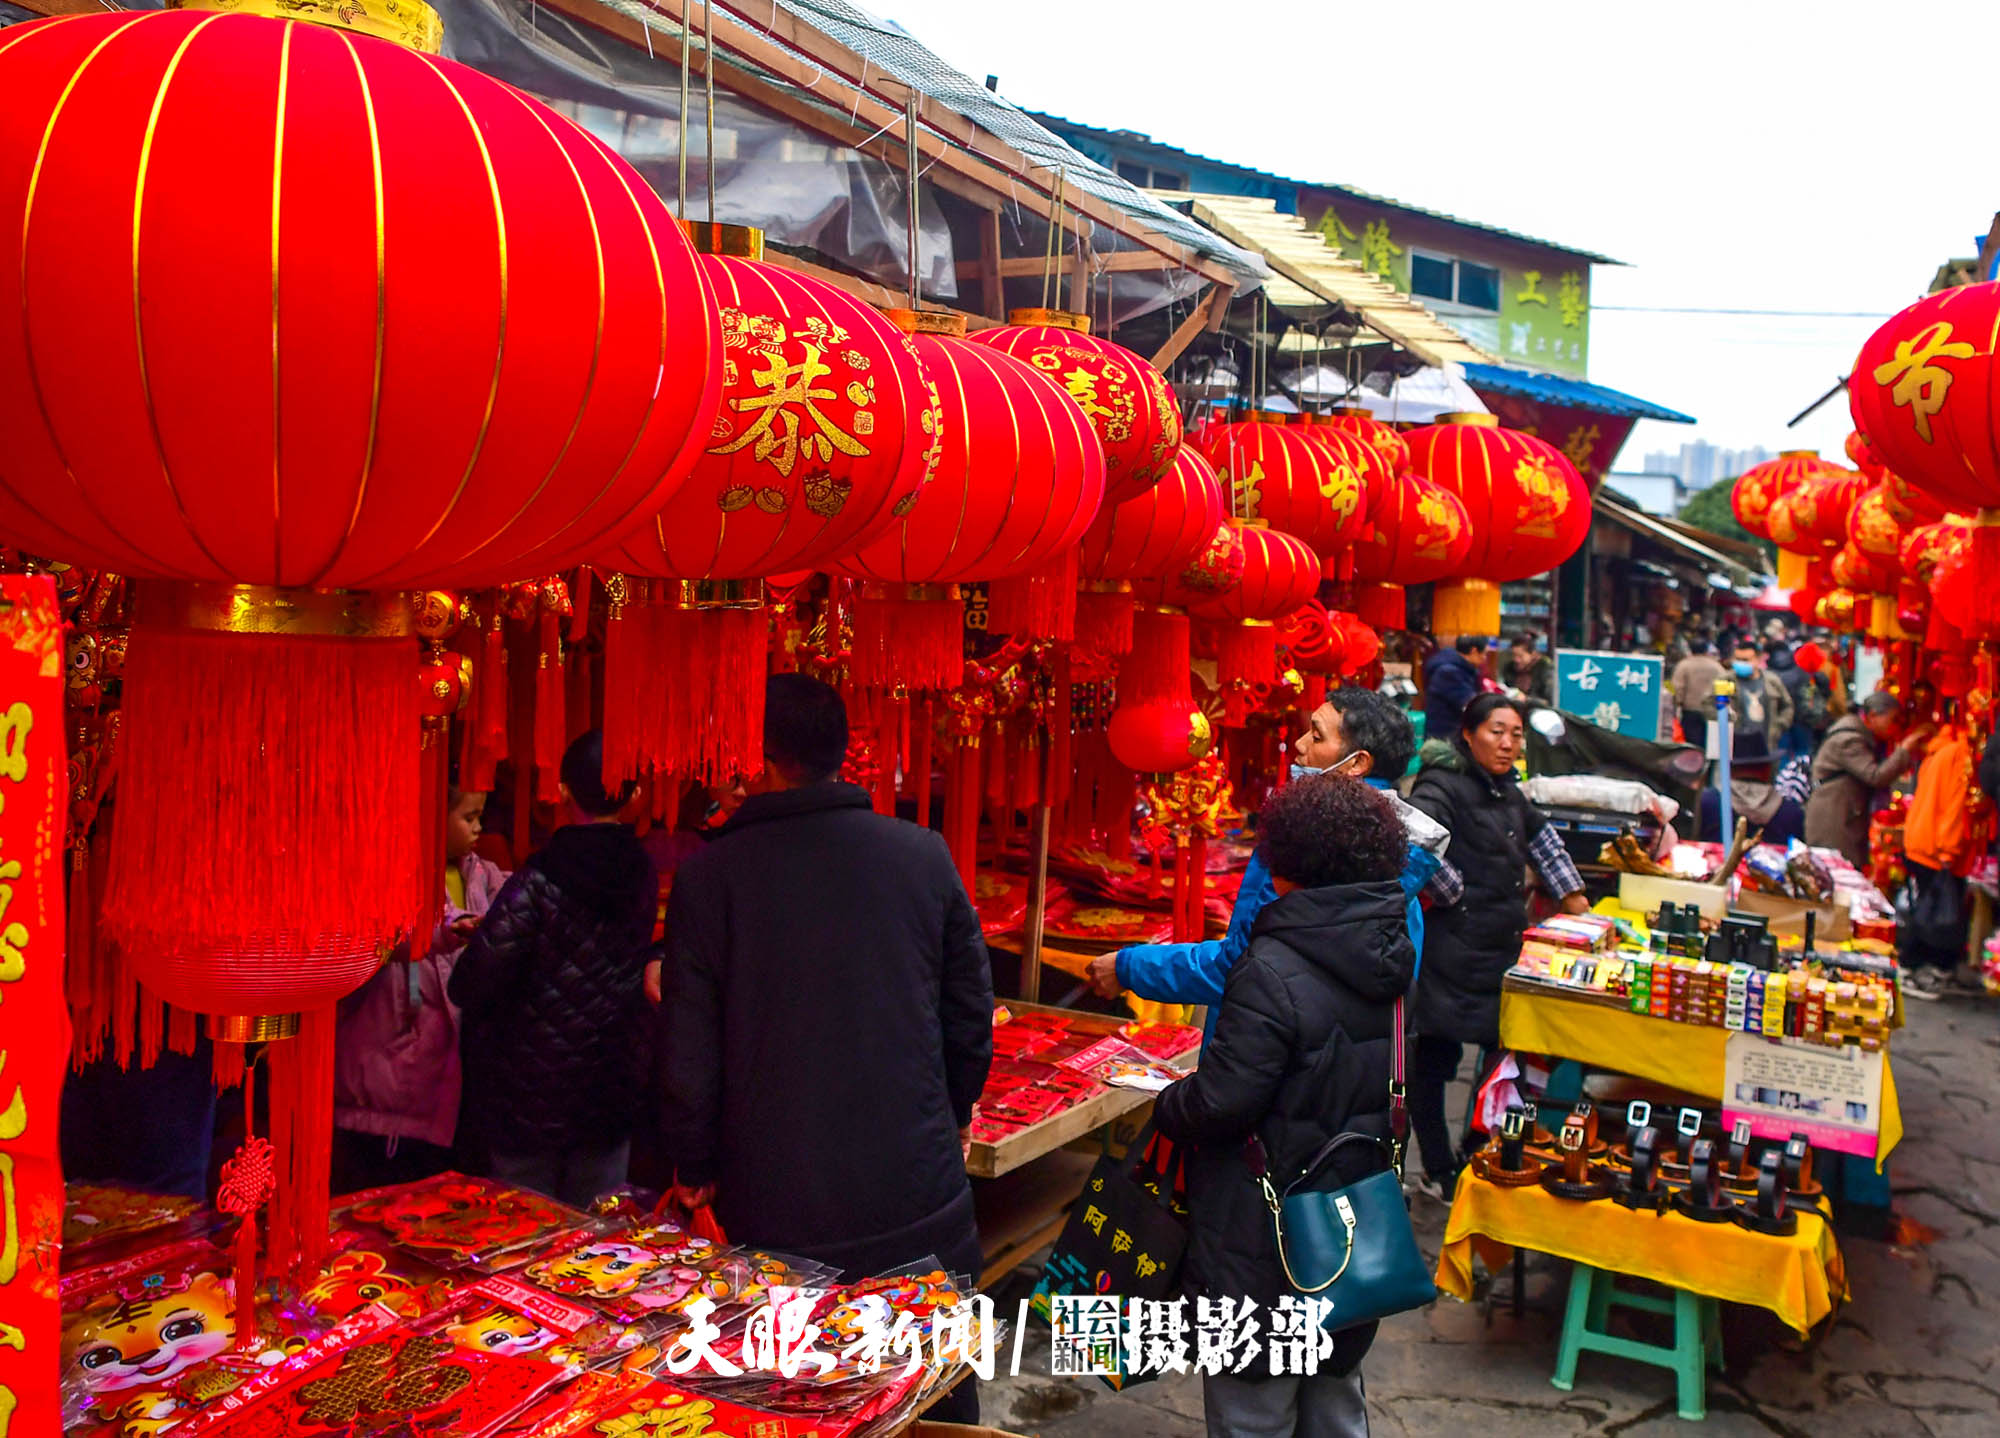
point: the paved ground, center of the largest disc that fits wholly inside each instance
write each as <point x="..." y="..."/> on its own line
<point x="1913" y="1353"/>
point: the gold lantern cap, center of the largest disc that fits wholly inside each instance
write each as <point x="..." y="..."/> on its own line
<point x="1798" y="454"/>
<point x="1478" y="419"/>
<point x="927" y="322"/>
<point x="1053" y="319"/>
<point x="736" y="242"/>
<point x="409" y="23"/>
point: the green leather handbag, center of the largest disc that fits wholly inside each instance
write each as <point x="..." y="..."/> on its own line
<point x="1353" y="1246"/>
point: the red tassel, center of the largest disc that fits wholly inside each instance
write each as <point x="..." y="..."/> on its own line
<point x="961" y="810"/>
<point x="1382" y="605"/>
<point x="551" y="727"/>
<point x="1157" y="667"/>
<point x="247" y="1181"/>
<point x="918" y="642"/>
<point x="1104" y="622"/>
<point x="627" y="667"/>
<point x="577" y="706"/>
<point x="1062" y="723"/>
<point x="253" y="762"/>
<point x="436" y="791"/>
<point x="1965" y="586"/>
<point x="486" y="741"/>
<point x="301" y="1125"/>
<point x="923" y="731"/>
<point x="580" y="590"/>
<point x="1041" y="605"/>
<point x="684" y="692"/>
<point x="1247" y="653"/>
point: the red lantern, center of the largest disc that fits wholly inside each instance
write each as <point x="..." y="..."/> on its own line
<point x="1020" y="480"/>
<point x="1851" y="569"/>
<point x="1909" y="504"/>
<point x="1277" y="474"/>
<point x="1279" y="574"/>
<point x="1922" y="391"/>
<point x="829" y="426"/>
<point x="1872" y="526"/>
<point x="1158" y="533"/>
<point x="1129" y="404"/>
<point x="1809" y="656"/>
<point x="1761" y="485"/>
<point x="1378" y="436"/>
<point x="1811" y="516"/>
<point x="1351" y="453"/>
<point x="445" y="333"/>
<point x="302" y="308"/>
<point x="1421" y="534"/>
<point x="1161" y="737"/>
<point x="1528" y="507"/>
<point x="1861" y="454"/>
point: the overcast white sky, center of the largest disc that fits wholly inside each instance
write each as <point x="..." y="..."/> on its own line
<point x="1750" y="155"/>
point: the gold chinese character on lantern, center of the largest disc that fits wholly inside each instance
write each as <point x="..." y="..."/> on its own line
<point x="1919" y="383"/>
<point x="1246" y="491"/>
<point x="1530" y="292"/>
<point x="1544" y="498"/>
<point x="1341" y="489"/>
<point x="1570" y="300"/>
<point x="789" y="422"/>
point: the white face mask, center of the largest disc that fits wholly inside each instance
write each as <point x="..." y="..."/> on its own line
<point x="1302" y="771"/>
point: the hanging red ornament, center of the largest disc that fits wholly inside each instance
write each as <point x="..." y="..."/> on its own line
<point x="1362" y="647"/>
<point x="1020" y="480"/>
<point x="1279" y="574"/>
<point x="1762" y="485"/>
<point x="1312" y="638"/>
<point x="1528" y="507"/>
<point x="1809" y="656"/>
<point x="1158" y="533"/>
<point x="1161" y="737"/>
<point x="1127" y="400"/>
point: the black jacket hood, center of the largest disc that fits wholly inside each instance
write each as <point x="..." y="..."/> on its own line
<point x="1359" y="933"/>
<point x="596" y="863"/>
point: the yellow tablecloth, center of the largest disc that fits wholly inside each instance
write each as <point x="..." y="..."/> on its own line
<point x="1797" y="1278"/>
<point x="1686" y="1056"/>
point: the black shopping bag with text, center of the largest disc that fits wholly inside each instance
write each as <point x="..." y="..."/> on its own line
<point x="1124" y="1240"/>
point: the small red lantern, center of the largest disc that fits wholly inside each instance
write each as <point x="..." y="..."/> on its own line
<point x="1872" y="526"/>
<point x="1861" y="454"/>
<point x="1161" y="737"/>
<point x="1275" y="475"/>
<point x="1128" y="401"/>
<point x="1421" y="534"/>
<point x="1279" y="574"/>
<point x="1809" y="656"/>
<point x="1158" y="533"/>
<point x="1529" y="511"/>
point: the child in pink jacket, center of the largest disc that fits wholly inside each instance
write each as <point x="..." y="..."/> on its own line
<point x="396" y="1073"/>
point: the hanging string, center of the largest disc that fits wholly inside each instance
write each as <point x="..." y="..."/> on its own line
<point x="687" y="49"/>
<point x="910" y="119"/>
<point x="1051" y="249"/>
<point x="708" y="76"/>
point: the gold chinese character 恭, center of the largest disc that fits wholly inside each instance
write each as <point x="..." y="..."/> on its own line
<point x="1920" y="383"/>
<point x="787" y="393"/>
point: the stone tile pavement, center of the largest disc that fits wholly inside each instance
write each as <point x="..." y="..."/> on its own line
<point x="1913" y="1353"/>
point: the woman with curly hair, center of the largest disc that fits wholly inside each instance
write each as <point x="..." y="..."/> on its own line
<point x="1300" y="1053"/>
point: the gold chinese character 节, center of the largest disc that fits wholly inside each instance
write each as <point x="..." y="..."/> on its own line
<point x="789" y="391"/>
<point x="1570" y="300"/>
<point x="1530" y="292"/>
<point x="1341" y="489"/>
<point x="1919" y="383"/>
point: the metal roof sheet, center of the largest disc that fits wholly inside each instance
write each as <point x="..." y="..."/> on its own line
<point x="1308" y="274"/>
<point x="1373" y="199"/>
<point x="1577" y="393"/>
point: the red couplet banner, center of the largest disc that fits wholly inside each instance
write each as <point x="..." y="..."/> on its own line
<point x="34" y="1023"/>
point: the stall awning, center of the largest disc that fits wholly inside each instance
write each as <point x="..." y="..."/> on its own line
<point x="1309" y="274"/>
<point x="1609" y="506"/>
<point x="1573" y="393"/>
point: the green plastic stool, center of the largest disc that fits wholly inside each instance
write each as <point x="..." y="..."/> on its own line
<point x="1697" y="1346"/>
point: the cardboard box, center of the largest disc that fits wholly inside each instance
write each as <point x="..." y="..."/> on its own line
<point x="1645" y="893"/>
<point x="1788" y="916"/>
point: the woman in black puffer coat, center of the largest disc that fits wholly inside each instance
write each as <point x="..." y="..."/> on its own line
<point x="1327" y="960"/>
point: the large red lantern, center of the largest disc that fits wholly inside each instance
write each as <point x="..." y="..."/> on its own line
<point x="299" y="308"/>
<point x="1276" y="473"/>
<point x="1352" y="453"/>
<point x="1420" y="535"/>
<point x="829" y="425"/>
<point x="1129" y="404"/>
<point x="1761" y="485"/>
<point x="1020" y="480"/>
<point x="1528" y="508"/>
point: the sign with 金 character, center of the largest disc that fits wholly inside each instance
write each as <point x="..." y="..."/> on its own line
<point x="1613" y="691"/>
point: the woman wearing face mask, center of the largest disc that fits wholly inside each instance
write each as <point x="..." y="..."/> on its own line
<point x="1469" y="946"/>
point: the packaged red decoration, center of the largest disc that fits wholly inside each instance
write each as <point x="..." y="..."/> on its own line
<point x="462" y="1222"/>
<point x="103" y="1220"/>
<point x="501" y="1315"/>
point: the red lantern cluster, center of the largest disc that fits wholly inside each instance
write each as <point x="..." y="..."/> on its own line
<point x="1291" y="478"/>
<point x="1762" y="485"/>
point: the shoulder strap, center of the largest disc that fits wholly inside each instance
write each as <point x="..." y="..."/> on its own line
<point x="1399" y="1114"/>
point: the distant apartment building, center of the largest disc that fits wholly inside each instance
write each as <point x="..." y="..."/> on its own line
<point x="1700" y="464"/>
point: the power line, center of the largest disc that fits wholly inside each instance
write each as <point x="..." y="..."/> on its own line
<point x="1782" y="314"/>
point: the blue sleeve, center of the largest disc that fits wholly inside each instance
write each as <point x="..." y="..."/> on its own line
<point x="1194" y="973"/>
<point x="1456" y="686"/>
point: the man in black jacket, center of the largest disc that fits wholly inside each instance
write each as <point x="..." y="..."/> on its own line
<point x="550" y="993"/>
<point x="826" y="1018"/>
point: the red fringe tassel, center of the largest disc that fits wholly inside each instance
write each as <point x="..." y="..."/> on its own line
<point x="1104" y="623"/>
<point x="301" y="1124"/>
<point x="1382" y="605"/>
<point x="917" y="643"/>
<point x="551" y="728"/>
<point x="1157" y="667"/>
<point x="1041" y="605"/>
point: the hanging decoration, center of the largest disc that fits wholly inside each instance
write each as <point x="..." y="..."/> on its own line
<point x="1127" y="400"/>
<point x="1277" y="474"/>
<point x="1279" y="574"/>
<point x="1528" y="507"/>
<point x="1159" y="533"/>
<point x="1762" y="485"/>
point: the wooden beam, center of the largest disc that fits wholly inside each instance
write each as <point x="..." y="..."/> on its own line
<point x="881" y="296"/>
<point x="65" y="7"/>
<point x="1117" y="262"/>
<point x="999" y="170"/>
<point x="1206" y="316"/>
<point x="992" y="293"/>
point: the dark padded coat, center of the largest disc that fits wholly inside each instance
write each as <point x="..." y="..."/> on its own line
<point x="554" y="1036"/>
<point x="1469" y="946"/>
<point x="825" y="1027"/>
<point x="1323" y="972"/>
